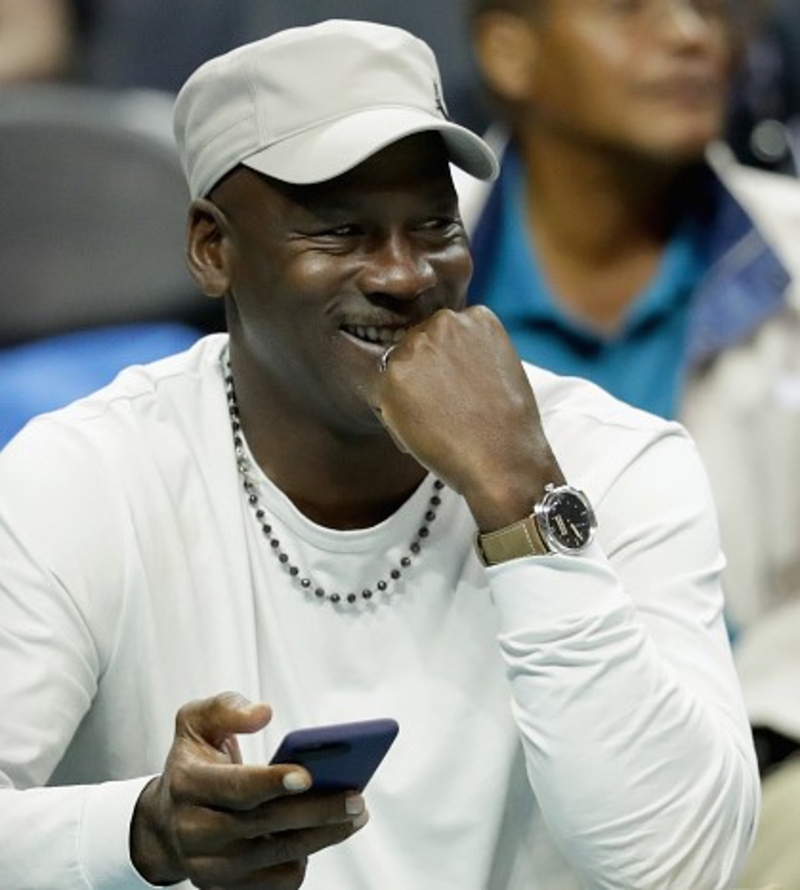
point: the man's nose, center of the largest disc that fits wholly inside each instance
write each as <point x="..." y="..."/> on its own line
<point x="398" y="268"/>
<point x="686" y="19"/>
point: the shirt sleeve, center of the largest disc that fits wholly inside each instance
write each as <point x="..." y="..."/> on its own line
<point x="75" y="838"/>
<point x="636" y="740"/>
<point x="55" y="837"/>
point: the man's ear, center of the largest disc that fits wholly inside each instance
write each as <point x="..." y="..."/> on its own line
<point x="208" y="249"/>
<point x="505" y="45"/>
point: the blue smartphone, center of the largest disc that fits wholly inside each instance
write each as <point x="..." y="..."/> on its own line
<point x="340" y="757"/>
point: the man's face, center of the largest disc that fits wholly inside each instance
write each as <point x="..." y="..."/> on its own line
<point x="324" y="277"/>
<point x="638" y="76"/>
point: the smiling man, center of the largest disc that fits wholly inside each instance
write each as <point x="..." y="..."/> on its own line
<point x="358" y="503"/>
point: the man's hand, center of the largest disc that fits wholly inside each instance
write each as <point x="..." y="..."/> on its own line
<point x="226" y="825"/>
<point x="454" y="394"/>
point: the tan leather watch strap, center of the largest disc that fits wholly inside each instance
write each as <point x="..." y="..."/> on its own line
<point x="512" y="542"/>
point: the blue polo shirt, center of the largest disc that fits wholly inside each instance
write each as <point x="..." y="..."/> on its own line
<point x="643" y="362"/>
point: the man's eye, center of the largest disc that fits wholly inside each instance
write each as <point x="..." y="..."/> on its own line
<point x="346" y="231"/>
<point x="440" y="224"/>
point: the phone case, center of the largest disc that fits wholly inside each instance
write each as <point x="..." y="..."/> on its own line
<point x="342" y="756"/>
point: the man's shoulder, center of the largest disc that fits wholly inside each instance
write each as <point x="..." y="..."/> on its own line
<point x="598" y="438"/>
<point x="141" y="403"/>
<point x="580" y="407"/>
<point x="762" y="192"/>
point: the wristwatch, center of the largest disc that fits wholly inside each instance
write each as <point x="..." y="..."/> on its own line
<point x="563" y="521"/>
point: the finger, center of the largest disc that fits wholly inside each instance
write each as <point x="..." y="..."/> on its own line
<point x="286" y="876"/>
<point x="214" y="720"/>
<point x="259" y="858"/>
<point x="233" y="786"/>
<point x="293" y="845"/>
<point x="211" y="830"/>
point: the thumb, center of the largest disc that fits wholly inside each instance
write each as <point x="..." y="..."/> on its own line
<point x="399" y="444"/>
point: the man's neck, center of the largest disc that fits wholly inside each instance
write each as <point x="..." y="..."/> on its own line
<point x="600" y="223"/>
<point x="338" y="482"/>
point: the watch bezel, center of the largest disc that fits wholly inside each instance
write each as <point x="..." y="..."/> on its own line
<point x="543" y="514"/>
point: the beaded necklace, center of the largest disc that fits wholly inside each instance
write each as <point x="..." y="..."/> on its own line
<point x="385" y="585"/>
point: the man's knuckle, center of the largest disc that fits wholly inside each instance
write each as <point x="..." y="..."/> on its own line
<point x="185" y="716"/>
<point x="284" y="849"/>
<point x="180" y="782"/>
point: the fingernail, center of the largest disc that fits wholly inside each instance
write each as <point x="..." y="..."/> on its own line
<point x="361" y="821"/>
<point x="354" y="805"/>
<point x="296" y="782"/>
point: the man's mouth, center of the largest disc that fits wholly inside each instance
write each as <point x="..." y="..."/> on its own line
<point x="371" y="334"/>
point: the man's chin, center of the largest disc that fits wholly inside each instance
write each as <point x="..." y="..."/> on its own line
<point x="676" y="153"/>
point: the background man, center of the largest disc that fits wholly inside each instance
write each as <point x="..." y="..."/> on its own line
<point x="622" y="244"/>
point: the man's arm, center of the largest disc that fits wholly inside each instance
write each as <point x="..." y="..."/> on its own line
<point x="630" y="715"/>
<point x="636" y="740"/>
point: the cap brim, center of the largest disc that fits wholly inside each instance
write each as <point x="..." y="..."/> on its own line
<point x="333" y="148"/>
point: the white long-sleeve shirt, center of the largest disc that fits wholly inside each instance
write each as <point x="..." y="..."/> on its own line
<point x="564" y="721"/>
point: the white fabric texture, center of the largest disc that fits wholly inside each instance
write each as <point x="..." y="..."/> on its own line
<point x="743" y="411"/>
<point x="564" y="722"/>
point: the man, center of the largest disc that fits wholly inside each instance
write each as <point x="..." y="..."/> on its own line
<point x="612" y="249"/>
<point x="290" y="512"/>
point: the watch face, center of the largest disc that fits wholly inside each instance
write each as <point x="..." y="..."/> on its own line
<point x="566" y="519"/>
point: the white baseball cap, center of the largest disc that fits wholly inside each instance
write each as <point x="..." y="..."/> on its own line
<point x="308" y="104"/>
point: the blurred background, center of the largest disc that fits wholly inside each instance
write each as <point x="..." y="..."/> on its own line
<point x="92" y="238"/>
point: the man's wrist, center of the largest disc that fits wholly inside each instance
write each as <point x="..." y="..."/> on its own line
<point x="514" y="541"/>
<point x="151" y="854"/>
<point x="562" y="521"/>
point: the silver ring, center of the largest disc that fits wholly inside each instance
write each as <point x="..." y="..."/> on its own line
<point x="383" y="361"/>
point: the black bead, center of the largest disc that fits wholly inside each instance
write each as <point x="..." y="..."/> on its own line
<point x="319" y="592"/>
<point x="405" y="562"/>
<point x="395" y="573"/>
<point x="274" y="543"/>
<point x="381" y="585"/>
<point x="252" y="500"/>
<point x="366" y="594"/>
<point x="282" y="557"/>
<point x="423" y="532"/>
<point x="335" y="597"/>
<point x="415" y="548"/>
<point x="430" y="515"/>
<point x="305" y="582"/>
<point x="260" y="514"/>
<point x="267" y="529"/>
<point x="294" y="571"/>
<point x="351" y="597"/>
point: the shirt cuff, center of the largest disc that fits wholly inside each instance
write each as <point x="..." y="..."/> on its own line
<point x="555" y="588"/>
<point x="104" y="845"/>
